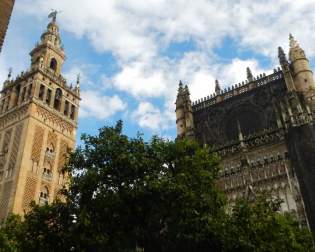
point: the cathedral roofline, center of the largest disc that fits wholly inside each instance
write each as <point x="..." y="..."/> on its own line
<point x="237" y="89"/>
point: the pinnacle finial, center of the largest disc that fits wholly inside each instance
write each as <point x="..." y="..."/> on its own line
<point x="78" y="78"/>
<point x="180" y="83"/>
<point x="249" y="74"/>
<point x="240" y="134"/>
<point x="77" y="86"/>
<point x="280" y="51"/>
<point x="217" y="88"/>
<point x="281" y="56"/>
<point x="180" y="86"/>
<point x="10" y="73"/>
<point x="293" y="43"/>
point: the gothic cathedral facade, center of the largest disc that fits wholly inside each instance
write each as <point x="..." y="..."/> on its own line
<point x="263" y="130"/>
<point x="38" y="122"/>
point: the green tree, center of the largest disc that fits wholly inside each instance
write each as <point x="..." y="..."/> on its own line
<point x="130" y="195"/>
<point x="259" y="226"/>
<point x="47" y="228"/>
<point x="10" y="232"/>
<point x="160" y="196"/>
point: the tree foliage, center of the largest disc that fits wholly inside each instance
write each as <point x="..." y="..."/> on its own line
<point x="128" y="195"/>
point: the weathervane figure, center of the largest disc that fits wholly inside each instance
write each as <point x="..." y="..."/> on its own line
<point x="53" y="15"/>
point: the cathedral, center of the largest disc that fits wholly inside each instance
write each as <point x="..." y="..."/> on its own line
<point x="38" y="123"/>
<point x="263" y="130"/>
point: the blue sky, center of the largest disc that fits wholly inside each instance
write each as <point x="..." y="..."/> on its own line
<point x="131" y="54"/>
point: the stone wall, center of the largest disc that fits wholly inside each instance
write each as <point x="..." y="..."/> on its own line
<point x="301" y="143"/>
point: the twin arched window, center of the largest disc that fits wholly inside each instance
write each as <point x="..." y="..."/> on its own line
<point x="44" y="195"/>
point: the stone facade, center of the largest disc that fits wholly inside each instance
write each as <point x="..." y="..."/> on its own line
<point x="38" y="122"/>
<point x="6" y="7"/>
<point x="263" y="130"/>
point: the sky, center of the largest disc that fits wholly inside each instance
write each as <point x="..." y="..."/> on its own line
<point x="131" y="54"/>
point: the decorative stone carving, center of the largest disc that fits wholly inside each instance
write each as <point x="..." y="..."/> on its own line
<point x="29" y="192"/>
<point x="37" y="143"/>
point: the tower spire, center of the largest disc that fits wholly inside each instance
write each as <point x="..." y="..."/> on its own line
<point x="48" y="53"/>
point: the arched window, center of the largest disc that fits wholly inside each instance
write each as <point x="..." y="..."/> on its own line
<point x="58" y="96"/>
<point x="53" y="64"/>
<point x="44" y="195"/>
<point x="50" y="152"/>
<point x="47" y="172"/>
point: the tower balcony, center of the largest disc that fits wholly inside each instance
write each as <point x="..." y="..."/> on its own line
<point x="42" y="201"/>
<point x="47" y="175"/>
<point x="50" y="155"/>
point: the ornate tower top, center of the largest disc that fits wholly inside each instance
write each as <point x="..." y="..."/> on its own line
<point x="184" y="119"/>
<point x="301" y="70"/>
<point x="49" y="53"/>
<point x="295" y="51"/>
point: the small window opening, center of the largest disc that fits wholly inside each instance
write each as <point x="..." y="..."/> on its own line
<point x="72" y="113"/>
<point x="53" y="64"/>
<point x="48" y="96"/>
<point x="58" y="96"/>
<point x="41" y="92"/>
<point x="66" y="110"/>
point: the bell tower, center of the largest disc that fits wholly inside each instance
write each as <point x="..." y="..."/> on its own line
<point x="38" y="122"/>
<point x="301" y="69"/>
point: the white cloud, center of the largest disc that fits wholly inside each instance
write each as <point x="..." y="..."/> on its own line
<point x="148" y="116"/>
<point x="140" y="79"/>
<point x="95" y="105"/>
<point x="137" y="28"/>
<point x="136" y="31"/>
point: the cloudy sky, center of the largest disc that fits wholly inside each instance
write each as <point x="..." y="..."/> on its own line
<point x="131" y="54"/>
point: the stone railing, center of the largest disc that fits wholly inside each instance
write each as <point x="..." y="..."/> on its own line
<point x="236" y="89"/>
